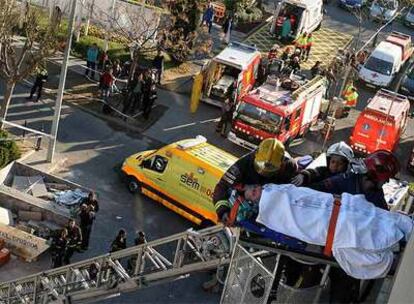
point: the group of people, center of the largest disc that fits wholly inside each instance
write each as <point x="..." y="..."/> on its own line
<point x="73" y="237"/>
<point x="141" y="88"/>
<point x="142" y="93"/>
<point x="285" y="23"/>
<point x="271" y="164"/>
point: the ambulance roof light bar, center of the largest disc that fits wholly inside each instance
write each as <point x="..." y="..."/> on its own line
<point x="192" y="142"/>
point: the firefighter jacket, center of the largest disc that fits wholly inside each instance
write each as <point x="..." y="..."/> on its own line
<point x="352" y="184"/>
<point x="243" y="172"/>
<point x="351" y="99"/>
<point x="315" y="175"/>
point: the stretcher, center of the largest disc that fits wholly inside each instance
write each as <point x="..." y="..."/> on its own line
<point x="242" y="214"/>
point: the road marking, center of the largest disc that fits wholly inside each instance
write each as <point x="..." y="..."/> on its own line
<point x="192" y="124"/>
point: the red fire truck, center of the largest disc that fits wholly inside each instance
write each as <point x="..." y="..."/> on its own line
<point x="271" y="111"/>
<point x="381" y="123"/>
<point x="237" y="62"/>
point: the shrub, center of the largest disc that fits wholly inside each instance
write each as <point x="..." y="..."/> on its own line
<point x="9" y="151"/>
<point x="115" y="50"/>
<point x="249" y="15"/>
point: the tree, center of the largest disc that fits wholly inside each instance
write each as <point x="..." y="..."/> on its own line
<point x="20" y="59"/>
<point x="144" y="30"/>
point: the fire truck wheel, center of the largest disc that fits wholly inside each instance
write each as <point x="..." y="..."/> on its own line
<point x="133" y="185"/>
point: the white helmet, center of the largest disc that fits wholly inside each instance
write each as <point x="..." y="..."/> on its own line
<point x="341" y="149"/>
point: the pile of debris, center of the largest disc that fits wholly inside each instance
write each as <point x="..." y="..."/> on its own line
<point x="61" y="194"/>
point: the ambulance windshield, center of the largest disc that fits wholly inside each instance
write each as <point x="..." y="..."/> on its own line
<point x="259" y="118"/>
<point x="379" y="65"/>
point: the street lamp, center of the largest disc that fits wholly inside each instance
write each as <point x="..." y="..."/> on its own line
<point x="62" y="81"/>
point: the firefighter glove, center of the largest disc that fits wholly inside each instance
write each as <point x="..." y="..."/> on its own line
<point x="298" y="180"/>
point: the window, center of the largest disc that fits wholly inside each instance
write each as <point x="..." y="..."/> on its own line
<point x="259" y="118"/>
<point x="156" y="163"/>
<point x="380" y="66"/>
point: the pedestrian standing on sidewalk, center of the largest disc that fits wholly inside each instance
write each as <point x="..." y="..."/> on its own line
<point x="120" y="241"/>
<point x="41" y="78"/>
<point x="208" y="17"/>
<point x="91" y="59"/>
<point x="105" y="83"/>
<point x="104" y="61"/>
<point x="86" y="217"/>
<point x="149" y="94"/>
<point x="227" y="27"/>
<point x="158" y="64"/>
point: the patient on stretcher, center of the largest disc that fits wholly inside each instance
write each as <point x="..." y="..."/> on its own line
<point x="364" y="238"/>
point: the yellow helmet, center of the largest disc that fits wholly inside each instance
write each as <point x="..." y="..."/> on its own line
<point x="269" y="156"/>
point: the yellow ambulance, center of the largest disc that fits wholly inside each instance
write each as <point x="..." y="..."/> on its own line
<point x="181" y="176"/>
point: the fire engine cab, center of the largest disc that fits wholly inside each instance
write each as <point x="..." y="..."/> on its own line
<point x="272" y="111"/>
<point x="236" y="64"/>
<point x="381" y="123"/>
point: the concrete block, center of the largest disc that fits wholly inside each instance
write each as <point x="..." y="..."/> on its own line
<point x="6" y="217"/>
<point x="30" y="215"/>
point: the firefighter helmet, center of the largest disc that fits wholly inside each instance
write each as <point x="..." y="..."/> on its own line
<point x="341" y="149"/>
<point x="269" y="156"/>
<point x="382" y="165"/>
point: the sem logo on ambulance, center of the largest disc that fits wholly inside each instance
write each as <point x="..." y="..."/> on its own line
<point x="188" y="180"/>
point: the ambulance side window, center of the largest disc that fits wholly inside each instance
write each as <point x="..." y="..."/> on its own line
<point x="156" y="163"/>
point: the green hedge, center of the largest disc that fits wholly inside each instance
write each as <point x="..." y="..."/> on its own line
<point x="115" y="50"/>
<point x="9" y="151"/>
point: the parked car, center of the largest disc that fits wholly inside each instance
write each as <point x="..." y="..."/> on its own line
<point x="409" y="18"/>
<point x="407" y="83"/>
<point x="351" y="4"/>
<point x="383" y="10"/>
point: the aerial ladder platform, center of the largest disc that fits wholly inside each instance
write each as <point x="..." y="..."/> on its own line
<point x="252" y="268"/>
<point x="145" y="265"/>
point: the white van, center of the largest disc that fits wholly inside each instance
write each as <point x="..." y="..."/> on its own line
<point x="307" y="15"/>
<point x="386" y="60"/>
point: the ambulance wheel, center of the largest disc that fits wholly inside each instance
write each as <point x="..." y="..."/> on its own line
<point x="133" y="185"/>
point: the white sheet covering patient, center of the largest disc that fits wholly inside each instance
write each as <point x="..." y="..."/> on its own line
<point x="364" y="236"/>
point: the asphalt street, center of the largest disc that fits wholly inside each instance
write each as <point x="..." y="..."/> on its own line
<point x="93" y="149"/>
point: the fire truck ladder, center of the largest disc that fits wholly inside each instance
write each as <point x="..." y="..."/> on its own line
<point x="101" y="277"/>
<point x="309" y="86"/>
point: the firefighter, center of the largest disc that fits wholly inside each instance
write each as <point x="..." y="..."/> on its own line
<point x="226" y="117"/>
<point x="120" y="241"/>
<point x="379" y="167"/>
<point x="59" y="247"/>
<point x="86" y="217"/>
<point x="351" y="98"/>
<point x="74" y="240"/>
<point x="269" y="163"/>
<point x="339" y="157"/>
<point x="309" y="44"/>
<point x="301" y="43"/>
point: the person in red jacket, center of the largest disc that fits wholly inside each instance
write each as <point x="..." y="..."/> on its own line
<point x="105" y="83"/>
